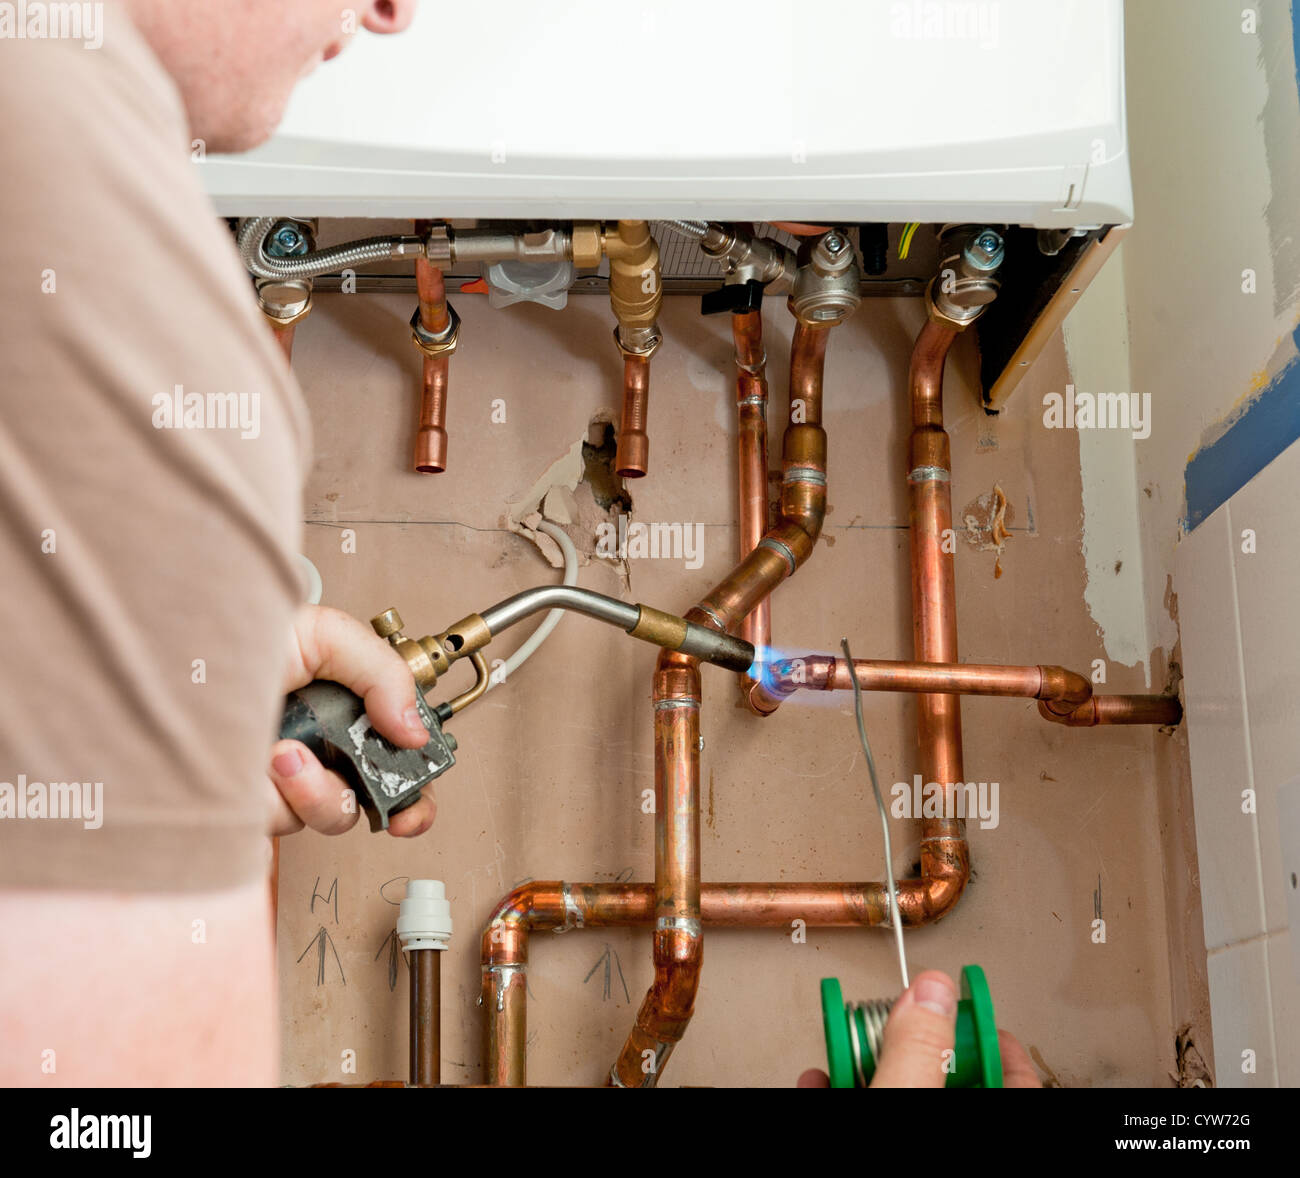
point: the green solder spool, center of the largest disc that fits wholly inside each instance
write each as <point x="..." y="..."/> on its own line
<point x="854" y="1031"/>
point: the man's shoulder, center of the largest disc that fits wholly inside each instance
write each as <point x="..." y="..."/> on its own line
<point x="55" y="92"/>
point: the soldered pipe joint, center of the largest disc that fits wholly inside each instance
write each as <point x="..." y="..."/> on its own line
<point x="1063" y="691"/>
<point x="768" y="692"/>
<point x="430" y="450"/>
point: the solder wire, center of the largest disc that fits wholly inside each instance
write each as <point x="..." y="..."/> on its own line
<point x="897" y="918"/>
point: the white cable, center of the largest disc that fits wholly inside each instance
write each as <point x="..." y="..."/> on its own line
<point x="552" y="619"/>
<point x="314" y="587"/>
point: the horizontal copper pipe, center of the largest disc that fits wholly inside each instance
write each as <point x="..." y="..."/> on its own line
<point x="632" y="453"/>
<point x="431" y="432"/>
<point x="551" y="905"/>
<point x="1161" y="710"/>
<point x="819" y="672"/>
<point x="1068" y="695"/>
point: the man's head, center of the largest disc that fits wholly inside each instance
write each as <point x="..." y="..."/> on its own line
<point x="236" y="61"/>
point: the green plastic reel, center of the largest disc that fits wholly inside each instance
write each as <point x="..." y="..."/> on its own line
<point x="977" y="1061"/>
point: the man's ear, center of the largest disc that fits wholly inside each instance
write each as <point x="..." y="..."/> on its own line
<point x="388" y="16"/>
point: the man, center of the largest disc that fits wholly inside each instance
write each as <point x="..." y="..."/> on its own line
<point x="151" y="601"/>
<point x="150" y="609"/>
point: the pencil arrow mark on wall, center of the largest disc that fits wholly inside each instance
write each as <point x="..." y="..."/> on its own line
<point x="394" y="947"/>
<point x="322" y="942"/>
<point x="609" y="959"/>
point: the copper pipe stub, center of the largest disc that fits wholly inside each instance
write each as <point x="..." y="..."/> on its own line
<point x="632" y="456"/>
<point x="435" y="330"/>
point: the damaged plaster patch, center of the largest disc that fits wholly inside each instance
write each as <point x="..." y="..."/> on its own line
<point x="986" y="521"/>
<point x="1097" y="354"/>
<point x="578" y="492"/>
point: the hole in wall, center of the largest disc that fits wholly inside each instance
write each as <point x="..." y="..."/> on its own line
<point x="598" y="460"/>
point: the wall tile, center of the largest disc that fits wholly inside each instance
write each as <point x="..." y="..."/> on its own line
<point x="1270" y="645"/>
<point x="1239" y="1009"/>
<point x="1227" y="839"/>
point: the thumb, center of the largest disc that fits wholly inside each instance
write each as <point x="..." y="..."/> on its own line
<point x="919" y="1034"/>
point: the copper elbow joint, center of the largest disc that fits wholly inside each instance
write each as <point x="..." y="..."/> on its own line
<point x="1065" y="689"/>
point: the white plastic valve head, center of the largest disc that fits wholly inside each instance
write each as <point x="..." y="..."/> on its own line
<point x="424" y="918"/>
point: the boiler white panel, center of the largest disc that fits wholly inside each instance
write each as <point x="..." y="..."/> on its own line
<point x="992" y="110"/>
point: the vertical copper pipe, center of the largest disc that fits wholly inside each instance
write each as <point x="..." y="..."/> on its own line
<point x="678" y="946"/>
<point x="751" y="453"/>
<point x="944" y="857"/>
<point x="678" y="941"/>
<point x="789" y="543"/>
<point x="632" y="455"/>
<point x="635" y="296"/>
<point x="803" y="460"/>
<point x="431" y="433"/>
<point x="426" y="1017"/>
<point x="504" y="995"/>
<point x="284" y="337"/>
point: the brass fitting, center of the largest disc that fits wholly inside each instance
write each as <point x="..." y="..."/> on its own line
<point x="427" y="657"/>
<point x="432" y="655"/>
<point x="441" y="344"/>
<point x="285" y="302"/>
<point x="826" y="287"/>
<point x="468" y="635"/>
<point x="967" y="281"/>
<point x="662" y="629"/>
<point x="635" y="285"/>
<point x="936" y="316"/>
<point x="586" y="244"/>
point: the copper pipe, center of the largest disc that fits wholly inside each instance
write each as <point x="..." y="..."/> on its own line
<point x="817" y="672"/>
<point x="632" y="456"/>
<point x="790" y="542"/>
<point x="678" y="949"/>
<point x="945" y="862"/>
<point x="635" y="296"/>
<point x="284" y="337"/>
<point x="426" y="1017"/>
<point x="1161" y="710"/>
<point x="432" y="291"/>
<point x="544" y="905"/>
<point x="678" y="945"/>
<point x="1067" y="696"/>
<point x="751" y="446"/>
<point x="431" y="433"/>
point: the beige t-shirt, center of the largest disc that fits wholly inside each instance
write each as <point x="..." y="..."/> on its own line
<point x="147" y="571"/>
